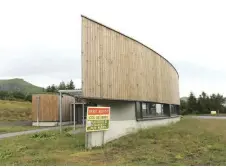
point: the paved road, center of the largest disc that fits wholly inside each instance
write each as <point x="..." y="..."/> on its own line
<point x="2" y="136"/>
<point x="210" y="117"/>
<point x="15" y="123"/>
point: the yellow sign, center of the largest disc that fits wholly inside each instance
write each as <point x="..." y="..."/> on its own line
<point x="98" y="119"/>
<point x="213" y="112"/>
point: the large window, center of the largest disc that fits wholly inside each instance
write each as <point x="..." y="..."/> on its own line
<point x="174" y="109"/>
<point x="148" y="109"/>
<point x="145" y="110"/>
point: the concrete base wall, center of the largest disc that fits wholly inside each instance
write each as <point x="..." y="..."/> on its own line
<point x="121" y="128"/>
<point x="122" y="122"/>
<point x="49" y="124"/>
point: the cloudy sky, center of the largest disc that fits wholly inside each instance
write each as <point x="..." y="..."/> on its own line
<point x="40" y="40"/>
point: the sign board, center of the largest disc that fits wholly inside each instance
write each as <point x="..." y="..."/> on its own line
<point x="213" y="112"/>
<point x="98" y="119"/>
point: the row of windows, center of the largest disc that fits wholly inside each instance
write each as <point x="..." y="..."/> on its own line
<point x="149" y="110"/>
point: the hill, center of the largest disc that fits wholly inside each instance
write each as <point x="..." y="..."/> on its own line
<point x="19" y="85"/>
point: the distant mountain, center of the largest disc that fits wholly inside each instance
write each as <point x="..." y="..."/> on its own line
<point x="184" y="98"/>
<point x="18" y="84"/>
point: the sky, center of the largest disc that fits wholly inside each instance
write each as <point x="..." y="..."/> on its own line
<point x="40" y="40"/>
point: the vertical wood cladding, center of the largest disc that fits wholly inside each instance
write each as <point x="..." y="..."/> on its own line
<point x="49" y="107"/>
<point x="117" y="67"/>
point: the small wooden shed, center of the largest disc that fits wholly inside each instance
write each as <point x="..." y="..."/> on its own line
<point x="46" y="108"/>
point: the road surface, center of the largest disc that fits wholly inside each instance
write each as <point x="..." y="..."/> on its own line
<point x="209" y="117"/>
<point x="6" y="135"/>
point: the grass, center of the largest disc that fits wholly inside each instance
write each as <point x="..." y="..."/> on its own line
<point x="188" y="142"/>
<point x="8" y="129"/>
<point x="14" y="110"/>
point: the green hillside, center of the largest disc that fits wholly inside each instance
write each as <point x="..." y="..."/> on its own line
<point x="19" y="85"/>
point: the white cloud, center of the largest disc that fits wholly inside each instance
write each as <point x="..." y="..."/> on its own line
<point x="40" y="40"/>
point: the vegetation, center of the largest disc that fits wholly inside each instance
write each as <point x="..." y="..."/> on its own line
<point x="18" y="89"/>
<point x="62" y="86"/>
<point x="204" y="104"/>
<point x="188" y="142"/>
<point x="19" y="96"/>
<point x="40" y="148"/>
<point x="14" y="110"/>
<point x="19" y="85"/>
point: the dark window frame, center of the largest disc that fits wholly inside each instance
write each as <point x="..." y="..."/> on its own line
<point x="164" y="114"/>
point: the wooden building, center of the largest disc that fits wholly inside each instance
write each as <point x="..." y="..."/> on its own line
<point x="119" y="72"/>
<point x="45" y="109"/>
<point x="139" y="85"/>
<point x="117" y="67"/>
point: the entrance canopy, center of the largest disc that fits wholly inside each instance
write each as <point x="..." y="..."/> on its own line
<point x="77" y="94"/>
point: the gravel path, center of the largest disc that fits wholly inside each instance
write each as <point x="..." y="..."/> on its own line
<point x="2" y="136"/>
<point x="15" y="123"/>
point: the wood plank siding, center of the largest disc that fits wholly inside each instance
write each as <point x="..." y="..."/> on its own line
<point x="49" y="107"/>
<point x="66" y="108"/>
<point x="115" y="66"/>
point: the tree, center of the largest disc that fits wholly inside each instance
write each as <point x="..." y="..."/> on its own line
<point x="191" y="104"/>
<point x="28" y="98"/>
<point x="70" y="85"/>
<point x="53" y="88"/>
<point x="217" y="102"/>
<point x="203" y="103"/>
<point x="183" y="107"/>
<point x="18" y="95"/>
<point x="3" y="95"/>
<point x="48" y="89"/>
<point x="62" y="86"/>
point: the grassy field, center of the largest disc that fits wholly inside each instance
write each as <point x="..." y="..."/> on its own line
<point x="189" y="142"/>
<point x="14" y="110"/>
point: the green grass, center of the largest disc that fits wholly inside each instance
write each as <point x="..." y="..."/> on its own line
<point x="40" y="148"/>
<point x="19" y="84"/>
<point x="189" y="142"/>
<point x="8" y="129"/>
<point x="14" y="110"/>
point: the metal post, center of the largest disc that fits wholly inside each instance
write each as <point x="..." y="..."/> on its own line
<point x="103" y="139"/>
<point x="169" y="110"/>
<point x="38" y="110"/>
<point x="74" y="115"/>
<point x="60" y="112"/>
<point x="83" y="114"/>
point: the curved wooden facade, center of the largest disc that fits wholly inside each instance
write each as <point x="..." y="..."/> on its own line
<point x="115" y="66"/>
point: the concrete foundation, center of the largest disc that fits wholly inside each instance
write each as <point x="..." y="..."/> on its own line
<point x="49" y="124"/>
<point x="120" y="128"/>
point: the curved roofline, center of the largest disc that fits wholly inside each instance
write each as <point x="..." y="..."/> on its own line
<point x="133" y="40"/>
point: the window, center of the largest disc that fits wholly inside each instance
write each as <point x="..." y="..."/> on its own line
<point x="138" y="110"/>
<point x="145" y="110"/>
<point x="174" y="110"/>
<point x="166" y="109"/>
